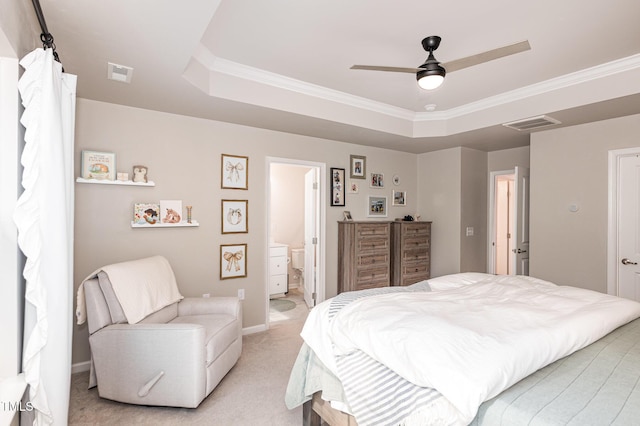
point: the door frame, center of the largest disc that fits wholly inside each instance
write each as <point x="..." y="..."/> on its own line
<point x="612" y="230"/>
<point x="320" y="214"/>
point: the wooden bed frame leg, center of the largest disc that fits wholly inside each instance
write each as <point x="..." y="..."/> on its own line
<point x="309" y="416"/>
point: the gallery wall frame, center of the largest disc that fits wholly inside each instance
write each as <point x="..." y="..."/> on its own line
<point x="399" y="198"/>
<point x="337" y="186"/>
<point x="234" y="216"/>
<point x="376" y="180"/>
<point x="235" y="172"/>
<point x="233" y="261"/>
<point x="358" y="167"/>
<point x="376" y="206"/>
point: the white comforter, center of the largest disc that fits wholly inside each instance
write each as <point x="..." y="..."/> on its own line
<point x="474" y="335"/>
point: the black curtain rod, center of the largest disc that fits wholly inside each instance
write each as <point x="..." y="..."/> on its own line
<point x="45" y="37"/>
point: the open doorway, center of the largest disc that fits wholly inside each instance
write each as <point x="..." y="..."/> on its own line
<point x="295" y="238"/>
<point x="509" y="222"/>
<point x="504" y="222"/>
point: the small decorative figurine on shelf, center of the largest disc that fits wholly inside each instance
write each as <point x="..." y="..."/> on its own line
<point x="189" y="214"/>
<point x="140" y="174"/>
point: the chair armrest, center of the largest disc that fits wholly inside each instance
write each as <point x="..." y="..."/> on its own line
<point x="160" y="342"/>
<point x="210" y="305"/>
<point x="127" y="356"/>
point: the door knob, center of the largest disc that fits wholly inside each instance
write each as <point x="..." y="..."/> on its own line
<point x="626" y="261"/>
<point x="519" y="251"/>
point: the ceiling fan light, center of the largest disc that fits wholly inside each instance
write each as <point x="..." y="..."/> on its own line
<point x="429" y="80"/>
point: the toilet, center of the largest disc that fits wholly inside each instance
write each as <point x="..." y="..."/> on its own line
<point x="297" y="259"/>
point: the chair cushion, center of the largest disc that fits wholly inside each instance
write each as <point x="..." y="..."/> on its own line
<point x="221" y="331"/>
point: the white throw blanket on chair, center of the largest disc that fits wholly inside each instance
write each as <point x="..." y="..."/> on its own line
<point x="142" y="287"/>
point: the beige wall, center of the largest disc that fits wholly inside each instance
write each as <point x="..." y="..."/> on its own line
<point x="508" y="159"/>
<point x="453" y="186"/>
<point x="439" y="186"/>
<point x="570" y="166"/>
<point x="473" y="210"/>
<point x="183" y="156"/>
<point x="20" y="26"/>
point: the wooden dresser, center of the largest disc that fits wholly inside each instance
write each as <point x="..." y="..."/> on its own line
<point x="411" y="252"/>
<point x="364" y="255"/>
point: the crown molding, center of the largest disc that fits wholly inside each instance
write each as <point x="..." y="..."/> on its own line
<point x="583" y="76"/>
<point x="224" y="66"/>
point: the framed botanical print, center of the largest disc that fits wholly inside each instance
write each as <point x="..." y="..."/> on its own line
<point x="235" y="216"/>
<point x="358" y="167"/>
<point x="235" y="171"/>
<point x="337" y="186"/>
<point x="377" y="207"/>
<point x="233" y="261"/>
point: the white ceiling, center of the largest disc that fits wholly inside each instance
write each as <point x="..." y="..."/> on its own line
<point x="284" y="64"/>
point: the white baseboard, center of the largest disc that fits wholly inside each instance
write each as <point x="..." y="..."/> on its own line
<point x="80" y="367"/>
<point x="254" y="329"/>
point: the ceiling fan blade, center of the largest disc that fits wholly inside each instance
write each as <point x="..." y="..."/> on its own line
<point x="487" y="56"/>
<point x="383" y="68"/>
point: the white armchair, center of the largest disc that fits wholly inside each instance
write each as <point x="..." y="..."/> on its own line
<point x="173" y="357"/>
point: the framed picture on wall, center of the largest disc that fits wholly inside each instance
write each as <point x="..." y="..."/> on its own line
<point x="354" y="187"/>
<point x="358" y="166"/>
<point x="377" y="206"/>
<point x="399" y="198"/>
<point x="235" y="171"/>
<point x="233" y="261"/>
<point x="235" y="216"/>
<point x="377" y="180"/>
<point x="337" y="186"/>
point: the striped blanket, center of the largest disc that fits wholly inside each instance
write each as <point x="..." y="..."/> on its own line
<point x="377" y="395"/>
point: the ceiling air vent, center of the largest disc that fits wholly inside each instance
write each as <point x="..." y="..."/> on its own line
<point x="119" y="72"/>
<point x="532" y="123"/>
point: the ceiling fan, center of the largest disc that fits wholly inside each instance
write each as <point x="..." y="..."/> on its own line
<point x="430" y="75"/>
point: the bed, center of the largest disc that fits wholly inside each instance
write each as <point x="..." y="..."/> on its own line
<point x="470" y="348"/>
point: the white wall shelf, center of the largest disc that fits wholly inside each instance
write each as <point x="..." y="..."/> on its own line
<point x="184" y="223"/>
<point x="115" y="182"/>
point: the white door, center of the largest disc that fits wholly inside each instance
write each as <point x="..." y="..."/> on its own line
<point x="521" y="232"/>
<point x="311" y="228"/>
<point x="629" y="227"/>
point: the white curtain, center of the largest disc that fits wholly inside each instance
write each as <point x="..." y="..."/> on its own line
<point x="44" y="217"/>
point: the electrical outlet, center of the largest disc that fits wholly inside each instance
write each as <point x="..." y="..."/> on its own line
<point x="206" y="295"/>
<point x="241" y="293"/>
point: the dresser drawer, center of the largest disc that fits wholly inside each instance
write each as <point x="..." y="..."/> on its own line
<point x="409" y="243"/>
<point x="277" y="284"/>
<point x="372" y="277"/>
<point x="278" y="251"/>
<point x="416" y="255"/>
<point x="415" y="268"/>
<point x="372" y="244"/>
<point x="415" y="230"/>
<point x="278" y="265"/>
<point x="373" y="259"/>
<point x="372" y="230"/>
